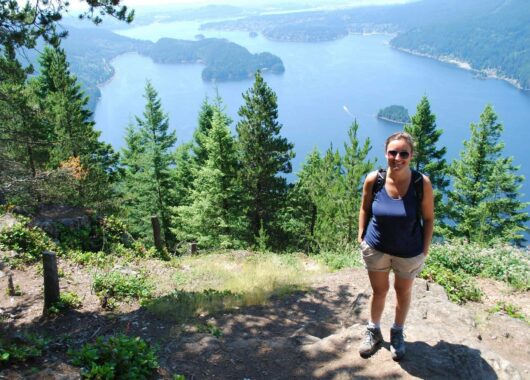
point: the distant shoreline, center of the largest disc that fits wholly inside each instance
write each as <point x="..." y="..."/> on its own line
<point x="490" y="73"/>
<point x="390" y="120"/>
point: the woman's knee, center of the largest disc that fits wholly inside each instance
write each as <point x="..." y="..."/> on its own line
<point x="380" y="290"/>
<point x="403" y="287"/>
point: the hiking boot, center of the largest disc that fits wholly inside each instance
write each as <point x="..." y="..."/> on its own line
<point x="371" y="342"/>
<point x="397" y="344"/>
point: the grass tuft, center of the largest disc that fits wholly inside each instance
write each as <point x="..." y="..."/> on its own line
<point x="222" y="281"/>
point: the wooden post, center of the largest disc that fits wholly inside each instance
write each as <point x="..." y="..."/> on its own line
<point x="11" y="286"/>
<point x="157" y="237"/>
<point x="193" y="248"/>
<point x="51" y="279"/>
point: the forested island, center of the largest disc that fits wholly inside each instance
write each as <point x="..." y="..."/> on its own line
<point x="90" y="51"/>
<point x="488" y="36"/>
<point x="394" y="114"/>
<point x="224" y="60"/>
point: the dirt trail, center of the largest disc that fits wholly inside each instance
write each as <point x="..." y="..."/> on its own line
<point x="307" y="335"/>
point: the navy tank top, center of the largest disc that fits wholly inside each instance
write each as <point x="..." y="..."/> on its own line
<point x="394" y="228"/>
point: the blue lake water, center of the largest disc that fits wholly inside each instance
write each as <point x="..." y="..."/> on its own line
<point x="324" y="88"/>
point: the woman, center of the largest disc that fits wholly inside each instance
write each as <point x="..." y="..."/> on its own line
<point x="394" y="234"/>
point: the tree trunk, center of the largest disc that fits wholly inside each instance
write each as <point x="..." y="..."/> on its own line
<point x="157" y="236"/>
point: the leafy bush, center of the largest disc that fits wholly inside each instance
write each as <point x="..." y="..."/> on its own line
<point x="348" y="257"/>
<point x="459" y="286"/>
<point x="511" y="310"/>
<point x="114" y="230"/>
<point x="137" y="250"/>
<point x="67" y="300"/>
<point x="30" y="347"/>
<point x="118" y="241"/>
<point x="500" y="262"/>
<point x="98" y="259"/>
<point x="210" y="329"/>
<point x="116" y="286"/>
<point x="74" y="238"/>
<point x="116" y="357"/>
<point x="28" y="242"/>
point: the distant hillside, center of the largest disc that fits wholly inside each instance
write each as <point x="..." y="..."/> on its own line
<point x="497" y="43"/>
<point x="90" y="51"/>
<point x="337" y="23"/>
<point x="491" y="35"/>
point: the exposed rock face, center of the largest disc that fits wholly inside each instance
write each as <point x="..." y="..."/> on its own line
<point x="317" y="336"/>
<point x="7" y="221"/>
<point x="51" y="217"/>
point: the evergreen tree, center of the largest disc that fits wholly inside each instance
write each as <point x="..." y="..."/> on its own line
<point x="484" y="201"/>
<point x="23" y="129"/>
<point x="22" y="23"/>
<point x="25" y="135"/>
<point x="149" y="161"/>
<point x="265" y="155"/>
<point x="200" y="133"/>
<point x="329" y="196"/>
<point x="215" y="217"/>
<point x="184" y="174"/>
<point x="356" y="166"/>
<point x="300" y="213"/>
<point x="427" y="158"/>
<point x="75" y="136"/>
<point x="66" y="103"/>
<point x="204" y="125"/>
<point x="324" y="203"/>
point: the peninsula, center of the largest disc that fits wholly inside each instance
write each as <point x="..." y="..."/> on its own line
<point x="91" y="50"/>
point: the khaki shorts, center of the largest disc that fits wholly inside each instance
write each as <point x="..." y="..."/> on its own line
<point x="376" y="261"/>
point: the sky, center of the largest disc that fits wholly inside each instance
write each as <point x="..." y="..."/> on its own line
<point x="77" y="4"/>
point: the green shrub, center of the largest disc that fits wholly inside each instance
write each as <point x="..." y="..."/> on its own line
<point x="348" y="257"/>
<point x="210" y="329"/>
<point x="113" y="230"/>
<point x="98" y="259"/>
<point x="500" y="262"/>
<point x="14" y="352"/>
<point x="116" y="357"/>
<point x="116" y="286"/>
<point x="509" y="309"/>
<point x="459" y="286"/>
<point x="67" y="300"/>
<point x="74" y="238"/>
<point x="28" y="242"/>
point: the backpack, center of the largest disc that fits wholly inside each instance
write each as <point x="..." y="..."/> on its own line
<point x="417" y="184"/>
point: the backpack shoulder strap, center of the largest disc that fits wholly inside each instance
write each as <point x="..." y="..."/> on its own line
<point x="417" y="183"/>
<point x="379" y="182"/>
<point x="377" y="186"/>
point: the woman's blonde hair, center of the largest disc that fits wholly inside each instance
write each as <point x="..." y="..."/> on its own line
<point x="400" y="136"/>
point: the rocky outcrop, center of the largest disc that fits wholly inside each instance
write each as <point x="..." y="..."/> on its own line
<point x="53" y="218"/>
<point x="316" y="337"/>
<point x="7" y="221"/>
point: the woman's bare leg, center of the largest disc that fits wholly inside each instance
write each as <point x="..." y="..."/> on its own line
<point x="380" y="285"/>
<point x="403" y="287"/>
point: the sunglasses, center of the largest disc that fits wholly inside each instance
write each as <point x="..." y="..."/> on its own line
<point x="394" y="153"/>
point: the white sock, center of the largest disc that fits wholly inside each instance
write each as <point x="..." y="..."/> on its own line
<point x="397" y="327"/>
<point x="373" y="325"/>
